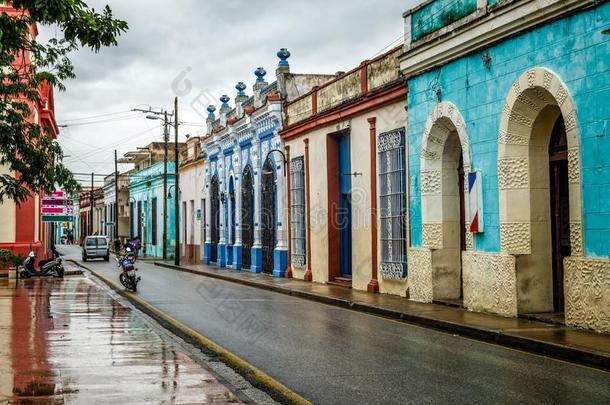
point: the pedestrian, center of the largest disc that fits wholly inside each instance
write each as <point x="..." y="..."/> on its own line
<point x="137" y="243"/>
<point x="117" y="245"/>
<point x="70" y="238"/>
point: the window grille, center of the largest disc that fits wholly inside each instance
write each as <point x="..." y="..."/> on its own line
<point x="297" y="210"/>
<point x="392" y="204"/>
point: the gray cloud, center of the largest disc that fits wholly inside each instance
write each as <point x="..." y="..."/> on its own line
<point x="221" y="42"/>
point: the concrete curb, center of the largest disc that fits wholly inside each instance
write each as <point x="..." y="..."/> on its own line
<point x="254" y="375"/>
<point x="547" y="349"/>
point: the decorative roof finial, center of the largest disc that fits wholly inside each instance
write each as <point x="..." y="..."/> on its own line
<point x="260" y="74"/>
<point x="224" y="99"/>
<point x="283" y="54"/>
<point x="211" y="110"/>
<point x="240" y="87"/>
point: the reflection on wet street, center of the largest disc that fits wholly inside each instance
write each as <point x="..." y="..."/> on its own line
<point x="68" y="341"/>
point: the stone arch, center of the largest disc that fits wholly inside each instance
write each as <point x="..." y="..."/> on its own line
<point x="445" y="156"/>
<point x="445" y="119"/>
<point x="534" y="104"/>
<point x="536" y="89"/>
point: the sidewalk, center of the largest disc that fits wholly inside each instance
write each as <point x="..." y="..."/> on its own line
<point x="574" y="345"/>
<point x="68" y="341"/>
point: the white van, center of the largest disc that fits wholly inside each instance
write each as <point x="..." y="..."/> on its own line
<point x="96" y="247"/>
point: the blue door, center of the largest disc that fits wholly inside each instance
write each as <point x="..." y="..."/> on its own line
<point x="345" y="207"/>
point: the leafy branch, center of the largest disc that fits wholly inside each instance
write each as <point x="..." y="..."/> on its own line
<point x="27" y="148"/>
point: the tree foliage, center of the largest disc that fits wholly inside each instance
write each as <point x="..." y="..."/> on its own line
<point x="27" y="148"/>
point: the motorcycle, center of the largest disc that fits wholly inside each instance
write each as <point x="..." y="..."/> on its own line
<point x="46" y="268"/>
<point x="128" y="276"/>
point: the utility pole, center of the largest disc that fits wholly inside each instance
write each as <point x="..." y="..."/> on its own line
<point x="177" y="178"/>
<point x="91" y="207"/>
<point x="165" y="145"/>
<point x="116" y="198"/>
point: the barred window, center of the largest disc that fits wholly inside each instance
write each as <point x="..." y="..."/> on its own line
<point x="392" y="204"/>
<point x="297" y="211"/>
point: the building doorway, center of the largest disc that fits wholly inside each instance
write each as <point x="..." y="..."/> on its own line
<point x="247" y="217"/>
<point x="462" y="233"/>
<point x="345" y="207"/>
<point x="447" y="261"/>
<point x="560" y="208"/>
<point x="339" y="179"/>
<point x="268" y="215"/>
<point x="215" y="218"/>
<point x="230" y="221"/>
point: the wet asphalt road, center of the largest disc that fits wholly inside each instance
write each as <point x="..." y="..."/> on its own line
<point x="337" y="356"/>
<point x="67" y="341"/>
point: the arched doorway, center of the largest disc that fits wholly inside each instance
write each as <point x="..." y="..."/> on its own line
<point x="560" y="208"/>
<point x="232" y="202"/>
<point x="230" y="220"/>
<point x="445" y="163"/>
<point x="247" y="217"/>
<point x="538" y="177"/>
<point x="447" y="261"/>
<point x="268" y="207"/>
<point x="215" y="218"/>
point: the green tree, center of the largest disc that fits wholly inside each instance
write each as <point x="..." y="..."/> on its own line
<point x="27" y="148"/>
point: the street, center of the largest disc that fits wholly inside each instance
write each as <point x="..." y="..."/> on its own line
<point x="72" y="341"/>
<point x="333" y="355"/>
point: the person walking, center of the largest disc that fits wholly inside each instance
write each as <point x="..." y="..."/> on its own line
<point x="137" y="243"/>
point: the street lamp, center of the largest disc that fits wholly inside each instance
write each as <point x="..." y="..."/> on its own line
<point x="169" y="193"/>
<point x="284" y="161"/>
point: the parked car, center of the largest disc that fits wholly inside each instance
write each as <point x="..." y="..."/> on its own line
<point x="96" y="247"/>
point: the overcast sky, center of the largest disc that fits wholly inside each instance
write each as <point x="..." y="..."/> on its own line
<point x="199" y="50"/>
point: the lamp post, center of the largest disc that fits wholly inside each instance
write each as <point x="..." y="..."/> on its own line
<point x="177" y="198"/>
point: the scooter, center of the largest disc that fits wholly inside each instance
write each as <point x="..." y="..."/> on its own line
<point x="46" y="268"/>
<point x="128" y="276"/>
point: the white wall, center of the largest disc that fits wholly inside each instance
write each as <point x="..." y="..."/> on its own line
<point x="192" y="182"/>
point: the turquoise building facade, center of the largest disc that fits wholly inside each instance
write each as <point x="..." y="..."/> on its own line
<point x="146" y="208"/>
<point x="518" y="93"/>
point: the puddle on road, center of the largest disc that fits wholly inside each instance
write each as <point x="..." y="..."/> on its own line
<point x="68" y="341"/>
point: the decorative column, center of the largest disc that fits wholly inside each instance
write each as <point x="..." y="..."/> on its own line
<point x="280" y="253"/>
<point x="373" y="285"/>
<point x="308" y="275"/>
<point x="207" y="247"/>
<point x="257" y="249"/>
<point x="288" y="273"/>
<point x="237" y="247"/>
<point x="222" y="258"/>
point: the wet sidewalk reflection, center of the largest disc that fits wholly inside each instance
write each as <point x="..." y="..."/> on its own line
<point x="67" y="341"/>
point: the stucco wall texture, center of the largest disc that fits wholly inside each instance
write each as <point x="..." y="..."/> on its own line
<point x="577" y="51"/>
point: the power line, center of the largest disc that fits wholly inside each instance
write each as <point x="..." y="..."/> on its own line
<point x="95" y="116"/>
<point x="106" y="121"/>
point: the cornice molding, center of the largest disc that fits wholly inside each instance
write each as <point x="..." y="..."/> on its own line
<point x="497" y="24"/>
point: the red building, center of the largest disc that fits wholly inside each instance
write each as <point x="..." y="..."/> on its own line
<point x="21" y="227"/>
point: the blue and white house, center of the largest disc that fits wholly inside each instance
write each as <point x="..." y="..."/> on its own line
<point x="508" y="113"/>
<point x="245" y="212"/>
